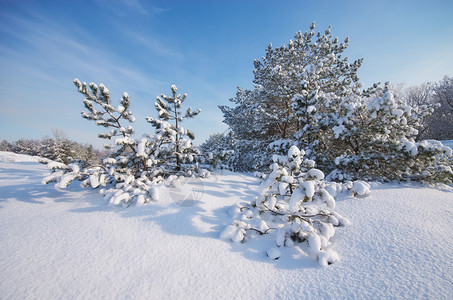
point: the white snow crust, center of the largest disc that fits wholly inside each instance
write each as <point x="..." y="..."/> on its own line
<point x="70" y="244"/>
<point x="14" y="157"/>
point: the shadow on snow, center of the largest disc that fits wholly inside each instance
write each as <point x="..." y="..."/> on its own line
<point x="173" y="217"/>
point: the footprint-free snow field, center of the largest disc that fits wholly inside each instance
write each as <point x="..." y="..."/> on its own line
<point x="70" y="244"/>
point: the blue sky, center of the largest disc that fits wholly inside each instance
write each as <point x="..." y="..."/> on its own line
<point x="206" y="48"/>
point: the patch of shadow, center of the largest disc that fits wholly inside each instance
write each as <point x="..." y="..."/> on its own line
<point x="247" y="194"/>
<point x="28" y="191"/>
<point x="193" y="220"/>
<point x="217" y="194"/>
<point x="173" y="219"/>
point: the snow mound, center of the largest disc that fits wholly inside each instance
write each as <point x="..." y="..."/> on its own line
<point x="360" y="188"/>
<point x="273" y="253"/>
<point x="14" y="157"/>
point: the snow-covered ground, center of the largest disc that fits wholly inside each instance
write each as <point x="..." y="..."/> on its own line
<point x="70" y="245"/>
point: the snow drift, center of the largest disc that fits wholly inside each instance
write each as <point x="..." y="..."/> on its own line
<point x="71" y="244"/>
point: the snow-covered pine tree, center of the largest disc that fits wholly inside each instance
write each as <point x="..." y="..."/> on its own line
<point x="123" y="165"/>
<point x="374" y="139"/>
<point x="176" y="154"/>
<point x="217" y="150"/>
<point x="307" y="67"/>
<point x="292" y="84"/>
<point x="26" y="146"/>
<point x="296" y="205"/>
<point x="308" y="95"/>
<point x="134" y="168"/>
<point x="64" y="150"/>
<point x="47" y="148"/>
<point x="59" y="149"/>
<point x="248" y="119"/>
<point x="249" y="130"/>
<point x="5" y="146"/>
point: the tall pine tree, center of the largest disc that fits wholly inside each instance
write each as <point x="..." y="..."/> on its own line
<point x="289" y="99"/>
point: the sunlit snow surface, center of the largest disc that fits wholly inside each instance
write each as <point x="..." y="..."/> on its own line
<point x="69" y="244"/>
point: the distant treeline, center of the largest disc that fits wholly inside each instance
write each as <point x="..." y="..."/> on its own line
<point x="59" y="148"/>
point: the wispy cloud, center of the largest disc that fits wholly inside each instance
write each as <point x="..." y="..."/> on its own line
<point x="39" y="59"/>
<point x="153" y="45"/>
<point x="52" y="49"/>
<point x="127" y="7"/>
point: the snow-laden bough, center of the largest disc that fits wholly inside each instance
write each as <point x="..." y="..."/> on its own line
<point x="296" y="205"/>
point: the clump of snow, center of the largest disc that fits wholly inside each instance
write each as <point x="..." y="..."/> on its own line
<point x="316" y="173"/>
<point x="397" y="112"/>
<point x="327" y="257"/>
<point x="94" y="181"/>
<point x="228" y="232"/>
<point x="283" y="188"/>
<point x="280" y="237"/>
<point x="360" y="188"/>
<point x="109" y="160"/>
<point x="308" y="187"/>
<point x="447" y="150"/>
<point x="410" y="146"/>
<point x="296" y="198"/>
<point x="55" y="165"/>
<point x="314" y="243"/>
<point x="294" y="151"/>
<point x="311" y="109"/>
<point x="273" y="253"/>
<point x="338" y="130"/>
<point x="125" y="140"/>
